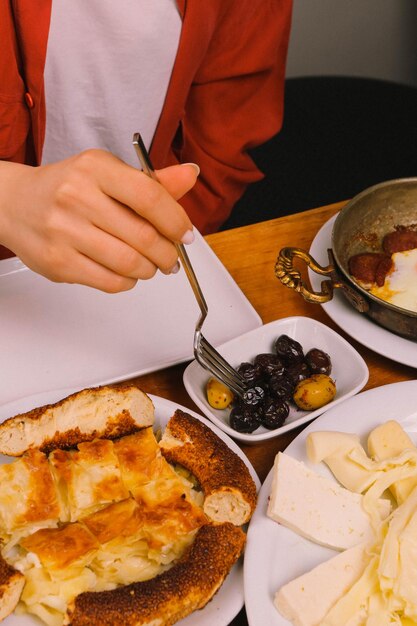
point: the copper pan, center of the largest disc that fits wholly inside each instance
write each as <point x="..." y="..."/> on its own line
<point x="359" y="227"/>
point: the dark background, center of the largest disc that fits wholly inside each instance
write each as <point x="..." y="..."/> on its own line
<point x="340" y="135"/>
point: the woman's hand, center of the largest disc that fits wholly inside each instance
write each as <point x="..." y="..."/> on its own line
<point x="94" y="220"/>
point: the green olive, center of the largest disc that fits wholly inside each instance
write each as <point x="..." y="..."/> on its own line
<point x="314" y="392"/>
<point x="218" y="395"/>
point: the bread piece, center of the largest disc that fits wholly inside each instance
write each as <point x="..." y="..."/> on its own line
<point x="28" y="496"/>
<point x="63" y="547"/>
<point x="141" y="460"/>
<point x="11" y="585"/>
<point x="230" y="493"/>
<point x="99" y="412"/>
<point x="87" y="478"/>
<point x="171" y="596"/>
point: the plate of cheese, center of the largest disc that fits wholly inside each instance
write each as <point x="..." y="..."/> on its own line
<point x="333" y="539"/>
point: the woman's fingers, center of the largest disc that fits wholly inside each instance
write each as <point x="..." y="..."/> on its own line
<point x="94" y="220"/>
<point x="124" y="259"/>
<point x="148" y="198"/>
<point x="124" y="226"/>
<point x="178" y="179"/>
<point x="84" y="271"/>
<point x="111" y="234"/>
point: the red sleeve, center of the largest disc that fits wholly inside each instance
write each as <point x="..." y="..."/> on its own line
<point x="235" y="103"/>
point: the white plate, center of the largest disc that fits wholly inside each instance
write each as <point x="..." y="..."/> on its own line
<point x="274" y="554"/>
<point x="355" y="324"/>
<point x="349" y="370"/>
<point x="227" y="603"/>
<point x="59" y="335"/>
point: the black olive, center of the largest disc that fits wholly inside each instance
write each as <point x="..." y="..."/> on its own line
<point x="275" y="413"/>
<point x="298" y="371"/>
<point x="254" y="396"/>
<point x="281" y="387"/>
<point x="243" y="419"/>
<point x="254" y="410"/>
<point x="269" y="363"/>
<point x="289" y="349"/>
<point x="249" y="372"/>
<point x="318" y="361"/>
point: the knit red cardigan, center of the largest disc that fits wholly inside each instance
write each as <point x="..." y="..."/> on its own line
<point x="225" y="95"/>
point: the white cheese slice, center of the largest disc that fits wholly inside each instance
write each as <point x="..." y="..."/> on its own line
<point x="389" y="440"/>
<point x="324" y="443"/>
<point x="317" y="507"/>
<point x="405" y="585"/>
<point x="352" y="609"/>
<point x="335" y="449"/>
<point x="307" y="599"/>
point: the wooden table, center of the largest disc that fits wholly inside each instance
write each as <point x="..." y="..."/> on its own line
<point x="249" y="253"/>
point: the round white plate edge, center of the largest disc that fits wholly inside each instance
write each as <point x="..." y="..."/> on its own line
<point x="231" y="595"/>
<point x="358" y="326"/>
<point x="260" y="610"/>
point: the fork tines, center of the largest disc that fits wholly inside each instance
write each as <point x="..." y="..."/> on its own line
<point x="212" y="360"/>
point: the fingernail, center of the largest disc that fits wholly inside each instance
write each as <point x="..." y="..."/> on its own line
<point x="194" y="165"/>
<point x="188" y="237"/>
<point x="176" y="268"/>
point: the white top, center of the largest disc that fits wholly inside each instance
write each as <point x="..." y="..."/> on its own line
<point x="107" y="74"/>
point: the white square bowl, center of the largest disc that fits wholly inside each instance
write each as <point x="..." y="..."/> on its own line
<point x="349" y="370"/>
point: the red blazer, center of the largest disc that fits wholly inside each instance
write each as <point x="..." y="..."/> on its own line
<point x="225" y="94"/>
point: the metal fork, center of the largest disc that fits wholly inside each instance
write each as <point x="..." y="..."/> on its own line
<point x="205" y="354"/>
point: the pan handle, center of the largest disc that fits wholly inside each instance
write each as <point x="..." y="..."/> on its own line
<point x="291" y="277"/>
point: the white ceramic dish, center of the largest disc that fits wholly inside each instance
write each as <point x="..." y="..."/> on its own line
<point x="358" y="326"/>
<point x="229" y="600"/>
<point x="57" y="335"/>
<point x="274" y="554"/>
<point x="349" y="370"/>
